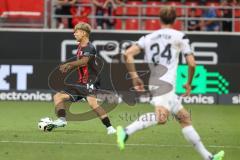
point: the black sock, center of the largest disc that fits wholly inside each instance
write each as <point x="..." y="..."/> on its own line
<point x="106" y="122"/>
<point x="61" y="113"/>
<point x="126" y="138"/>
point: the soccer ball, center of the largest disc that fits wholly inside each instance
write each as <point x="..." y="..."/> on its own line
<point x="43" y="122"/>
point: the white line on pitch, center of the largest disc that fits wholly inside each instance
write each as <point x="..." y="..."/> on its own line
<point x="111" y="144"/>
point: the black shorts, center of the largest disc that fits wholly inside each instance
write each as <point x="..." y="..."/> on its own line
<point x="81" y="91"/>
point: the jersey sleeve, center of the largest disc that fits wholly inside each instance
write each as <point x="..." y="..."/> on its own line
<point x="186" y="49"/>
<point x="89" y="51"/>
<point x="141" y="42"/>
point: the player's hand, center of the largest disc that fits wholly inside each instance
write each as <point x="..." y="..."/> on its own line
<point x="138" y="84"/>
<point x="65" y="67"/>
<point x="188" y="90"/>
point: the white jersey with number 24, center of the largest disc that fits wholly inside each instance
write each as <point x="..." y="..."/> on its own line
<point x="163" y="47"/>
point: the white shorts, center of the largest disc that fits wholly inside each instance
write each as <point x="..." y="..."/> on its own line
<point x="169" y="101"/>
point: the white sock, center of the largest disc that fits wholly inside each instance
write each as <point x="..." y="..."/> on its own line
<point x="110" y="127"/>
<point x="62" y="119"/>
<point x="192" y="136"/>
<point x="144" y="121"/>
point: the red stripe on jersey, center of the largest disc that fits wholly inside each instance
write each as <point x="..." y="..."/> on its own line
<point x="83" y="73"/>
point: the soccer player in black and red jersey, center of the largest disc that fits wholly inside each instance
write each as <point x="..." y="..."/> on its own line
<point x="86" y="66"/>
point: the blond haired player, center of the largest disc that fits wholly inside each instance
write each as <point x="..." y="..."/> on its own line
<point x="86" y="68"/>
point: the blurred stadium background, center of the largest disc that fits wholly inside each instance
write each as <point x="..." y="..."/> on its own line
<point x="36" y="36"/>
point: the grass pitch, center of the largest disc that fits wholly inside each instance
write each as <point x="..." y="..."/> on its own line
<point x="20" y="138"/>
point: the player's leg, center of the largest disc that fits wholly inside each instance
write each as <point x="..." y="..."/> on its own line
<point x="192" y="136"/>
<point x="144" y="121"/>
<point x="60" y="99"/>
<point x="92" y="101"/>
<point x="148" y="119"/>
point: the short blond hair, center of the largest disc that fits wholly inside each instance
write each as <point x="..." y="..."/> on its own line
<point x="84" y="27"/>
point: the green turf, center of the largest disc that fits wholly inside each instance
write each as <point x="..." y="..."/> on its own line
<point x="20" y="138"/>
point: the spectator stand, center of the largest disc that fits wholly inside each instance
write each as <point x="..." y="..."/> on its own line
<point x="133" y="15"/>
<point x="27" y="13"/>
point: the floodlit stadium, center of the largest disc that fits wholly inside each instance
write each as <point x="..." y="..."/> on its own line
<point x="119" y="79"/>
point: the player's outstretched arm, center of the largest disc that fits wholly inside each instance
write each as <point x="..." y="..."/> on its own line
<point x="191" y="69"/>
<point x="129" y="61"/>
<point x="70" y="65"/>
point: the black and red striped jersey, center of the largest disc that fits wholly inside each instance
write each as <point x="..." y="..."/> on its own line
<point x="88" y="73"/>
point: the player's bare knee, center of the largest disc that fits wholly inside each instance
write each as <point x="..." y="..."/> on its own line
<point x="162" y="115"/>
<point x="185" y="120"/>
<point x="58" y="98"/>
<point x="93" y="104"/>
<point x="162" y="118"/>
<point x="92" y="101"/>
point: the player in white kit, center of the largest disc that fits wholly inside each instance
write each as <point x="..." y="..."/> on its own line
<point x="163" y="47"/>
